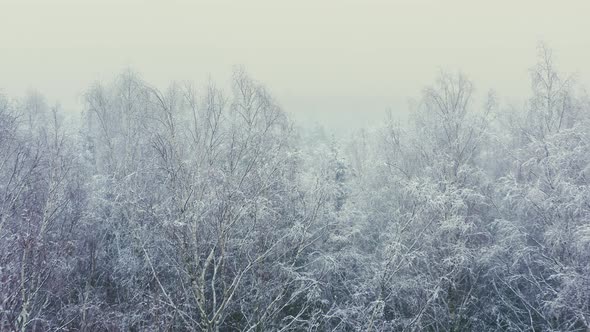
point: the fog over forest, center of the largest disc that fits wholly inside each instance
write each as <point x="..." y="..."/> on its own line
<point x="338" y="203"/>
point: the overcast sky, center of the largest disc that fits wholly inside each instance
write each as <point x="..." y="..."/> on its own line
<point x="334" y="61"/>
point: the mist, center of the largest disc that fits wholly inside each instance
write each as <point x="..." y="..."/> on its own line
<point x="345" y="60"/>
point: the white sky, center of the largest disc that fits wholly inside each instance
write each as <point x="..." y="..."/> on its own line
<point x="333" y="61"/>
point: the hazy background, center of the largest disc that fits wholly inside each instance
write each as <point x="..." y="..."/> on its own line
<point x="340" y="63"/>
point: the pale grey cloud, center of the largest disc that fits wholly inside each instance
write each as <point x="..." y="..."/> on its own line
<point x="368" y="54"/>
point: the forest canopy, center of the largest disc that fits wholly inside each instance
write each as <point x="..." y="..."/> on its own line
<point x="203" y="209"/>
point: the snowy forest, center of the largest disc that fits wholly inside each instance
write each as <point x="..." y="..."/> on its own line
<point x="197" y="208"/>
